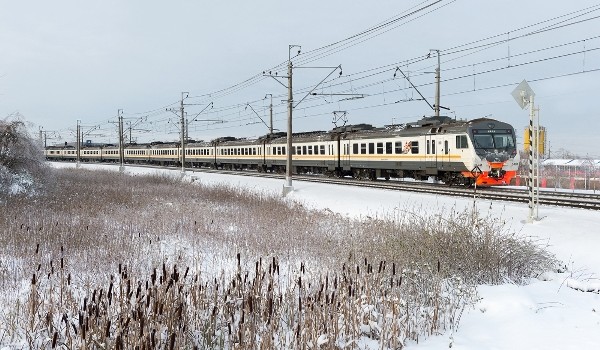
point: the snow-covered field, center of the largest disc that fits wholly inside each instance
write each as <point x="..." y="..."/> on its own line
<point x="559" y="310"/>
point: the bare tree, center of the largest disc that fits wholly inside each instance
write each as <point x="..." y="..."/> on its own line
<point x="21" y="158"/>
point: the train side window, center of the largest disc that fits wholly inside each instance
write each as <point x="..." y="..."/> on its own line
<point x="371" y="148"/>
<point x="363" y="148"/>
<point x="446" y="150"/>
<point x="355" y="148"/>
<point x="414" y="147"/>
<point x="283" y="150"/>
<point x="432" y="146"/>
<point x="428" y="147"/>
<point x="398" y="147"/>
<point x="379" y="147"/>
<point x="388" y="148"/>
<point x="322" y="149"/>
<point x="310" y="150"/>
<point x="304" y="150"/>
<point x="461" y="141"/>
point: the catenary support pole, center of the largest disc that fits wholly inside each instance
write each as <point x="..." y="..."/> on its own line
<point x="437" y="85"/>
<point x="121" y="143"/>
<point x="287" y="187"/>
<point x="182" y="122"/>
<point x="78" y="142"/>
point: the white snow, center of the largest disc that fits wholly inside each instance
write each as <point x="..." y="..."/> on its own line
<point x="558" y="310"/>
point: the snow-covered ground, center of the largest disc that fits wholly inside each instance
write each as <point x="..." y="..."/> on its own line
<point x="559" y="310"/>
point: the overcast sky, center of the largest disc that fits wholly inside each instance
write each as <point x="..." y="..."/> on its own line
<point x="63" y="61"/>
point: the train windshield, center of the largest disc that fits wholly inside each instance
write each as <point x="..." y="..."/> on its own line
<point x="494" y="139"/>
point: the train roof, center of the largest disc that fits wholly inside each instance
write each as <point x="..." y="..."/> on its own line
<point x="426" y="125"/>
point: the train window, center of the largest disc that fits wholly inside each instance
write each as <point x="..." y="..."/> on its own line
<point x="398" y="147"/>
<point x="310" y="150"/>
<point x="461" y="141"/>
<point x="414" y="147"/>
<point x="432" y="146"/>
<point x="322" y="149"/>
<point x="371" y="148"/>
<point x="304" y="150"/>
<point x="363" y="148"/>
<point x="428" y="147"/>
<point x="446" y="150"/>
<point x="283" y="150"/>
<point x="379" y="147"/>
<point x="355" y="148"/>
<point x="253" y="151"/>
<point x="388" y="148"/>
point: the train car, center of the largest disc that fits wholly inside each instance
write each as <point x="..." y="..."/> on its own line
<point x="61" y="153"/>
<point x="481" y="151"/>
<point x="200" y="154"/>
<point x="90" y="154"/>
<point x="238" y="154"/>
<point x="312" y="153"/>
<point x="110" y="153"/>
<point x="165" y="153"/>
<point x="137" y="154"/>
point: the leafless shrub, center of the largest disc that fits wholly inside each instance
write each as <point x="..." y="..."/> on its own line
<point x="22" y="166"/>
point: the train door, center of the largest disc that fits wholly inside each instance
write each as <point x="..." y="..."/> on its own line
<point x="345" y="154"/>
<point x="431" y="159"/>
<point x="444" y="152"/>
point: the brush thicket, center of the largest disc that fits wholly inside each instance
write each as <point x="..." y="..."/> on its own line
<point x="119" y="261"/>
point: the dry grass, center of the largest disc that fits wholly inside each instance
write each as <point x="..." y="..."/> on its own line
<point x="104" y="260"/>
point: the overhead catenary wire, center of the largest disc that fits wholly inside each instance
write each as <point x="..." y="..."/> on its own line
<point x="228" y="113"/>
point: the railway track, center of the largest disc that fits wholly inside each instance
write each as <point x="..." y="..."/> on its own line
<point x="546" y="197"/>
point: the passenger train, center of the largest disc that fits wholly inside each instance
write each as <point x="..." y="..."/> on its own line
<point x="480" y="151"/>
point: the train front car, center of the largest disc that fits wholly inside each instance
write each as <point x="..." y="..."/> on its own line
<point x="496" y="158"/>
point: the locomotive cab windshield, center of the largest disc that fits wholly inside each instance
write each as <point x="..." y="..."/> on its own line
<point x="494" y="144"/>
<point x="493" y="139"/>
